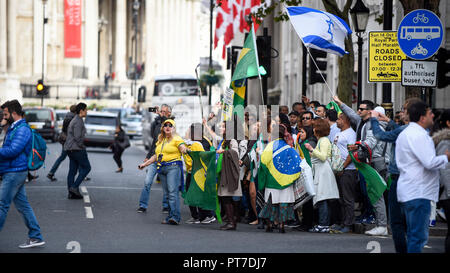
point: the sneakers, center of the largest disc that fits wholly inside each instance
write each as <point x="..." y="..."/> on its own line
<point x="340" y="230"/>
<point x="208" y="220"/>
<point x="432" y="223"/>
<point x="173" y="222"/>
<point x="141" y="210"/>
<point x="165" y="210"/>
<point x="32" y="243"/>
<point x="377" y="231"/>
<point x="368" y="220"/>
<point x="193" y="221"/>
<point x="441" y="213"/>
<point x="51" y="177"/>
<point x="292" y="224"/>
<point x="320" y="229"/>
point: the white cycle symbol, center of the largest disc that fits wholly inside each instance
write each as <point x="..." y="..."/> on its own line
<point x="421" y="18"/>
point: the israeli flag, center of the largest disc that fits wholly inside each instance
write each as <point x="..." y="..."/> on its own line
<point x="319" y="29"/>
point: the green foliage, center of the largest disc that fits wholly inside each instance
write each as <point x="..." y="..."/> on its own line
<point x="280" y="16"/>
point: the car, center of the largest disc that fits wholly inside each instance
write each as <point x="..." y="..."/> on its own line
<point x="100" y="129"/>
<point x="147" y="119"/>
<point x="132" y="125"/>
<point x="43" y="120"/>
<point x="60" y="115"/>
<point x="120" y="112"/>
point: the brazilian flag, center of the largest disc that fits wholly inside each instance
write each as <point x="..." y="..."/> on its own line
<point x="239" y="88"/>
<point x="279" y="167"/>
<point x="335" y="106"/>
<point x="202" y="190"/>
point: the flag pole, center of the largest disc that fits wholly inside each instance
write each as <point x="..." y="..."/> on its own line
<point x="309" y="53"/>
<point x="257" y="63"/>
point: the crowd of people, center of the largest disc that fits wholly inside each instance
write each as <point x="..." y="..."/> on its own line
<point x="259" y="163"/>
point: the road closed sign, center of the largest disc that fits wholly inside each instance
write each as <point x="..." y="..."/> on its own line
<point x="385" y="57"/>
<point x="419" y="73"/>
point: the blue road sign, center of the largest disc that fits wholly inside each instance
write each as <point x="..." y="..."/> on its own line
<point x="420" y="34"/>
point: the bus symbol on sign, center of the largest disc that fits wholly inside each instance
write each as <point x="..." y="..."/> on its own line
<point x="420" y="34"/>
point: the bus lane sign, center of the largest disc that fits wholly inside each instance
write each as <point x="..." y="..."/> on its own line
<point x="385" y="57"/>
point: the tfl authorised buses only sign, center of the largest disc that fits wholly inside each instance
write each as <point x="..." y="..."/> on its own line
<point x="385" y="57"/>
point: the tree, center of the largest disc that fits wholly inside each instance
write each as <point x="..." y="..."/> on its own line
<point x="408" y="6"/>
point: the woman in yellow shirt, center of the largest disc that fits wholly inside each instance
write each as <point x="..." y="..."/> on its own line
<point x="167" y="157"/>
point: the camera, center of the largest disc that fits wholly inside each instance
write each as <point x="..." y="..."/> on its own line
<point x="152" y="109"/>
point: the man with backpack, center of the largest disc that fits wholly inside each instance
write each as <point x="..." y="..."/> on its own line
<point x="14" y="170"/>
<point x="76" y="150"/>
<point x="62" y="139"/>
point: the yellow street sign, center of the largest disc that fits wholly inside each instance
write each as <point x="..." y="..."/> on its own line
<point x="385" y="57"/>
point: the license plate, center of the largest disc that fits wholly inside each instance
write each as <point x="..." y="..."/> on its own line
<point x="101" y="131"/>
<point x="33" y="126"/>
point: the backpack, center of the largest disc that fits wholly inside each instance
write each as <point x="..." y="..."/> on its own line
<point x="336" y="161"/>
<point x="36" y="157"/>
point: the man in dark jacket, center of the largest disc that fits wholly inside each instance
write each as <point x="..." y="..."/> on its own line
<point x="76" y="150"/>
<point x="14" y="171"/>
<point x="67" y="119"/>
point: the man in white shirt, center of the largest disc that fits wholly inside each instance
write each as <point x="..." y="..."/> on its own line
<point x="347" y="180"/>
<point x="419" y="166"/>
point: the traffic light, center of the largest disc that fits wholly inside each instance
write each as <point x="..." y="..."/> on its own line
<point x="142" y="93"/>
<point x="443" y="68"/>
<point x="264" y="52"/>
<point x="41" y="88"/>
<point x="320" y="59"/>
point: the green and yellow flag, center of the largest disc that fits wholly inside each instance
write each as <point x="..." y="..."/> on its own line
<point x="375" y="183"/>
<point x="202" y="190"/>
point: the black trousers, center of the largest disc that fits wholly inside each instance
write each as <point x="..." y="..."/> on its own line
<point x="118" y="155"/>
<point x="197" y="212"/>
<point x="445" y="204"/>
<point x="348" y="187"/>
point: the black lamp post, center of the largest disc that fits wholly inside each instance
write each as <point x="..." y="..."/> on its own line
<point x="360" y="17"/>
<point x="136" y="6"/>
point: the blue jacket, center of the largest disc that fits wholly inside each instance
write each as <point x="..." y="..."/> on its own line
<point x="15" y="150"/>
<point x="388" y="136"/>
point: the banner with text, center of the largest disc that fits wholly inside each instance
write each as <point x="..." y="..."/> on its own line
<point x="385" y="57"/>
<point x="72" y="28"/>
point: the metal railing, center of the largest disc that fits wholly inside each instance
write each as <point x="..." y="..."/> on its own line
<point x="75" y="91"/>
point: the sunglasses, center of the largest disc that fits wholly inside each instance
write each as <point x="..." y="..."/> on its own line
<point x="306" y="118"/>
<point x="168" y="125"/>
<point x="362" y="109"/>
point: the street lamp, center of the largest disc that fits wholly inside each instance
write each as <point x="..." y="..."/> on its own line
<point x="136" y="5"/>
<point x="44" y="21"/>
<point x="360" y="17"/>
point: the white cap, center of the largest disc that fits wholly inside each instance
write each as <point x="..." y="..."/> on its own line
<point x="380" y="110"/>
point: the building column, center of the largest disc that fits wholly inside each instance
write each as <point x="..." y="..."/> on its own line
<point x="3" y="37"/>
<point x="148" y="47"/>
<point x="120" y="52"/>
<point x="11" y="52"/>
<point x="91" y="38"/>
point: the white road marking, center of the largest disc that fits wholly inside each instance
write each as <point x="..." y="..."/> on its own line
<point x="89" y="213"/>
<point x="83" y="189"/>
<point x="86" y="199"/>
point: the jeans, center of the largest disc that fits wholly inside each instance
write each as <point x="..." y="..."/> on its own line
<point x="12" y="189"/>
<point x="446" y="206"/>
<point x="170" y="178"/>
<point x="417" y="213"/>
<point x="324" y="217"/>
<point x="397" y="218"/>
<point x="58" y="161"/>
<point x="79" y="162"/>
<point x="145" y="194"/>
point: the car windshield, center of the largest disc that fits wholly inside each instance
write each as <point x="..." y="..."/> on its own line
<point x="99" y="120"/>
<point x="37" y="115"/>
<point x="132" y="119"/>
<point x="60" y="116"/>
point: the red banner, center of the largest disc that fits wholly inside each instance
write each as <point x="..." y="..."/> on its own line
<point x="72" y="28"/>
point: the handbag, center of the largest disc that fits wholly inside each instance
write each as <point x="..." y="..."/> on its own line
<point x="303" y="186"/>
<point x="336" y="161"/>
<point x="125" y="143"/>
<point x="62" y="138"/>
